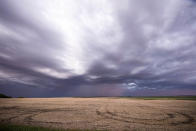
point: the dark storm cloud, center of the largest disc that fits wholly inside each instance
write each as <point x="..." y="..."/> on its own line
<point x="153" y="61"/>
<point x="93" y="49"/>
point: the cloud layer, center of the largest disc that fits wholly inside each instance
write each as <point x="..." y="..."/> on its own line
<point x="97" y="48"/>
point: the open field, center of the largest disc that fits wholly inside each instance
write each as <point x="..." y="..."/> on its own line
<point x="8" y="127"/>
<point x="164" y="97"/>
<point x="100" y="113"/>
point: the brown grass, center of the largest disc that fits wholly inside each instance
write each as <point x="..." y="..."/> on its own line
<point x="100" y="113"/>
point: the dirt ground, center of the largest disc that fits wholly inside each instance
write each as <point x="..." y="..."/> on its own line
<point x="100" y="113"/>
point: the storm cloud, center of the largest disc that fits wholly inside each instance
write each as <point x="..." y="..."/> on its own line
<point x="55" y="48"/>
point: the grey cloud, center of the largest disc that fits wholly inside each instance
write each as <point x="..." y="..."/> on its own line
<point x="155" y="51"/>
<point x="173" y="64"/>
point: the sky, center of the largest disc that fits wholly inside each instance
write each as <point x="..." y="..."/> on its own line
<point x="59" y="48"/>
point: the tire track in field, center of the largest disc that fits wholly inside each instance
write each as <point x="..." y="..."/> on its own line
<point x="170" y="117"/>
<point x="29" y="119"/>
<point x="28" y="114"/>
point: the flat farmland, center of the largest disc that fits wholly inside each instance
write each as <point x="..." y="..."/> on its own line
<point x="100" y="113"/>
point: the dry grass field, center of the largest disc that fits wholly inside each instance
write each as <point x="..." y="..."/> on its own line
<point x="100" y="113"/>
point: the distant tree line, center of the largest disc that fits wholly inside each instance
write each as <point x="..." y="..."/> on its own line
<point x="4" y="96"/>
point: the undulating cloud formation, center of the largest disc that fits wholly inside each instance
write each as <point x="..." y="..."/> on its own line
<point x="97" y="47"/>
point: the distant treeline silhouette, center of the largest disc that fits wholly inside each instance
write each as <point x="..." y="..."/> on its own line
<point x="4" y="96"/>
